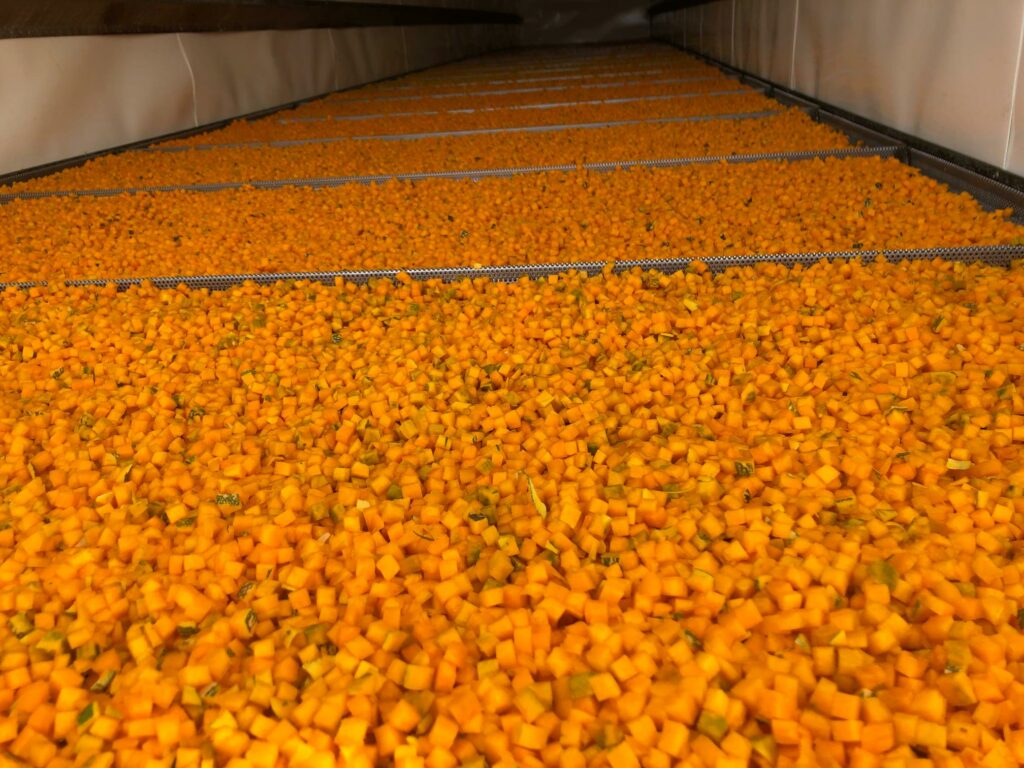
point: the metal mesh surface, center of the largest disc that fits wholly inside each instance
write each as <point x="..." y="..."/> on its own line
<point x="337" y="181"/>
<point x="994" y="255"/>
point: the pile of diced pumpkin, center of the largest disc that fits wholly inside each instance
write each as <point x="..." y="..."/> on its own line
<point x="767" y="516"/>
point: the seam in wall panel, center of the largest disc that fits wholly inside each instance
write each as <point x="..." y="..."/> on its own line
<point x="1011" y="123"/>
<point x="732" y="36"/>
<point x="191" y="77"/>
<point x="792" y="58"/>
<point x="334" y="56"/>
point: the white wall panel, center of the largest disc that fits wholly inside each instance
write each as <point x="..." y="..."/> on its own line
<point x="764" y="38"/>
<point x="661" y="25"/>
<point x="679" y="28"/>
<point x="948" y="71"/>
<point x="427" y="46"/>
<point x="69" y="96"/>
<point x="366" y="54"/>
<point x="678" y="24"/>
<point x="83" y="94"/>
<point x="939" y="69"/>
<point x="716" y="30"/>
<point x="691" y="28"/>
<point x="240" y="72"/>
<point x="466" y="40"/>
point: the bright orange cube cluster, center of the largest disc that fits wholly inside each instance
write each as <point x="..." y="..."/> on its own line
<point x="767" y="516"/>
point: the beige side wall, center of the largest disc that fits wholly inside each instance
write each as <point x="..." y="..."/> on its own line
<point x="67" y="96"/>
<point x="944" y="70"/>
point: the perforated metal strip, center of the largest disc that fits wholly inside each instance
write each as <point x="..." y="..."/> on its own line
<point x="24" y="284"/>
<point x="482" y="173"/>
<point x="995" y="255"/>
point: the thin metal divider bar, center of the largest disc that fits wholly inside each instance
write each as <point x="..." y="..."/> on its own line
<point x="994" y="255"/>
<point x="519" y="58"/>
<point x="285" y="143"/>
<point x="610" y="84"/>
<point x="582" y="67"/>
<point x="563" y="126"/>
<point x="25" y="284"/>
<point x="587" y="102"/>
<point x="751" y="158"/>
<point x="337" y="181"/>
<point x="364" y="116"/>
<point x="535" y="89"/>
<point x="513" y="81"/>
<point x="550" y="75"/>
<point x="512" y="107"/>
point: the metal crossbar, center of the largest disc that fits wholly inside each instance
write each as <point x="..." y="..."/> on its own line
<point x="532" y="89"/>
<point x="610" y="84"/>
<point x="995" y="255"/>
<point x="509" y="108"/>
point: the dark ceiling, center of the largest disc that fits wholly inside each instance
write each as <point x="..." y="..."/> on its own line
<point x="43" y="18"/>
<point x="544" y="21"/>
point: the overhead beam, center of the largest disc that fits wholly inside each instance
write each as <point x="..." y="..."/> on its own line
<point x="47" y="18"/>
